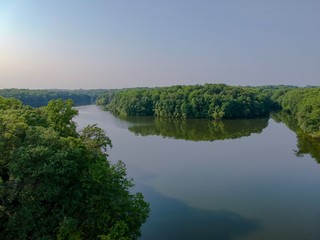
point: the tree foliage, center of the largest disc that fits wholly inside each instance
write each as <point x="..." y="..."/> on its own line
<point x="220" y="101"/>
<point x="39" y="98"/>
<point x="215" y="101"/>
<point x="304" y="105"/>
<point x="56" y="183"/>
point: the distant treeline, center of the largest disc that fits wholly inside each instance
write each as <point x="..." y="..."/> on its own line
<point x="219" y="101"/>
<point x="39" y="98"/>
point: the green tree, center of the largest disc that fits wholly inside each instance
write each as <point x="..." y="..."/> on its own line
<point x="304" y="105"/>
<point x="60" y="114"/>
<point x="215" y="101"/>
<point x="56" y="183"/>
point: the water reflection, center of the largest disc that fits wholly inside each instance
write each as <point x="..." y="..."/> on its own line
<point x="305" y="144"/>
<point x="173" y="219"/>
<point x="195" y="129"/>
<point x="268" y="193"/>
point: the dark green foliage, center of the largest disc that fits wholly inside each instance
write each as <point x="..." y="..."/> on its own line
<point x="59" y="115"/>
<point x="207" y="101"/>
<point x="276" y="93"/>
<point x="39" y="98"/>
<point x="304" y="105"/>
<point x="106" y="96"/>
<point x="219" y="101"/>
<point x="56" y="183"/>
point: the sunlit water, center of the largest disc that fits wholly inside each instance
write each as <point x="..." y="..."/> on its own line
<point x="205" y="180"/>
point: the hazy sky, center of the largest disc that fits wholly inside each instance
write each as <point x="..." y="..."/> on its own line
<point x="128" y="43"/>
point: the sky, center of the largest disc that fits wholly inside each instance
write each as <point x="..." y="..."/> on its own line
<point x="90" y="44"/>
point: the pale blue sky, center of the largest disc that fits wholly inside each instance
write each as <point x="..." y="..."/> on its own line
<point x="130" y="43"/>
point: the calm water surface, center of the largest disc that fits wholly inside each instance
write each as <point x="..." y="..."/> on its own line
<point x="207" y="180"/>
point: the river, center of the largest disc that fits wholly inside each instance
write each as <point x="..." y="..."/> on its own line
<point x="234" y="179"/>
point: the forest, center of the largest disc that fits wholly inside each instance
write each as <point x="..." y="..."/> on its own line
<point x="220" y="101"/>
<point x="39" y="98"/>
<point x="56" y="181"/>
<point x="207" y="101"/>
<point x="304" y="105"/>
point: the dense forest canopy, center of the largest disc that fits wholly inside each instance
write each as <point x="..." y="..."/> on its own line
<point x="304" y="105"/>
<point x="39" y="98"/>
<point x="215" y="101"/>
<point x="56" y="182"/>
<point x="220" y="101"/>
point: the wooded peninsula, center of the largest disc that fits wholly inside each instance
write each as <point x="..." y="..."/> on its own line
<point x="219" y="101"/>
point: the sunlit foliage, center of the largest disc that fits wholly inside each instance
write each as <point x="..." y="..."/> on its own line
<point x="56" y="183"/>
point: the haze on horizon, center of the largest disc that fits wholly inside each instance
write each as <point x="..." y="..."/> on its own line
<point x="114" y="44"/>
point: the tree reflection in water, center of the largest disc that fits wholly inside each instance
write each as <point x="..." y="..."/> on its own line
<point x="196" y="129"/>
<point x="305" y="144"/>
